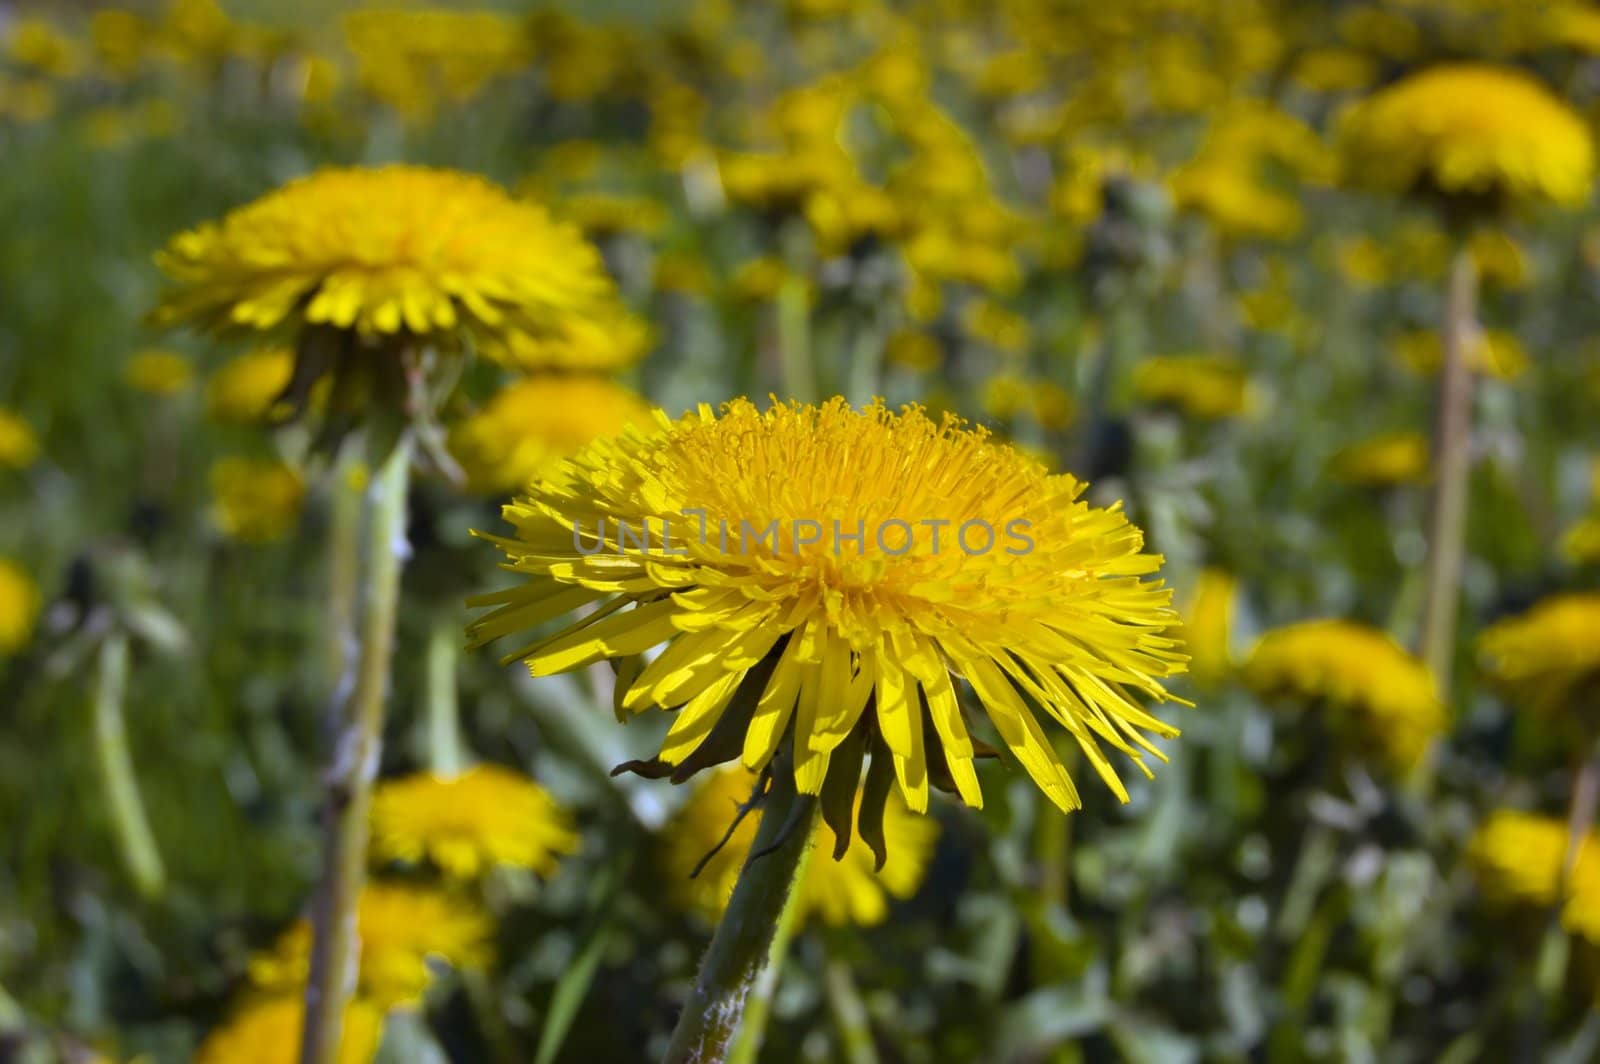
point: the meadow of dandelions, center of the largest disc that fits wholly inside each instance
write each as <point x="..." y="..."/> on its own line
<point x="805" y="530"/>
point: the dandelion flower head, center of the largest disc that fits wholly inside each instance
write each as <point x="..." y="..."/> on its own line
<point x="766" y="591"/>
<point x="485" y="817"/>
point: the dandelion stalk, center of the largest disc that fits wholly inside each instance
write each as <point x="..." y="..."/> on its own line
<point x="753" y="1027"/>
<point x="129" y="821"/>
<point x="344" y="578"/>
<point x="849" y="1014"/>
<point x="750" y="939"/>
<point x="1452" y="444"/>
<point x="794" y="339"/>
<point x="357" y="741"/>
<point x="444" y="709"/>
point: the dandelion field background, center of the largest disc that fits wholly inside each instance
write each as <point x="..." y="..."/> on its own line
<point x="1201" y="254"/>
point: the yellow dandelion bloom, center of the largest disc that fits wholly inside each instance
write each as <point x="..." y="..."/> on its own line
<point x="1232" y="198"/>
<point x="915" y="350"/>
<point x="468" y="824"/>
<point x="1363" y="259"/>
<point x="597" y="343"/>
<point x="1334" y="69"/>
<point x="791" y="622"/>
<point x="19" y="606"/>
<point x="1549" y="656"/>
<point x="602" y="214"/>
<point x="255" y="500"/>
<point x="1499" y="258"/>
<point x="19" y="447"/>
<point x="1471" y="131"/>
<point x="531" y="426"/>
<point x="839" y="892"/>
<point x="246" y="390"/>
<point x="998" y="326"/>
<point x="1384" y="460"/>
<point x="1208" y="387"/>
<point x="401" y="930"/>
<point x="266" y="1029"/>
<point x="1581" y="543"/>
<point x="1495" y="353"/>
<point x="1208" y="625"/>
<point x="1518" y="859"/>
<point x="158" y="372"/>
<point x="384" y="252"/>
<point x="1367" y="680"/>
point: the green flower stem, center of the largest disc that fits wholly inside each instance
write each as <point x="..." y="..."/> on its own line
<point x="866" y="360"/>
<point x="1452" y="446"/>
<point x="1552" y="967"/>
<point x="753" y="1027"/>
<point x="129" y="821"/>
<point x="751" y="938"/>
<point x="849" y="1014"/>
<point x="794" y="340"/>
<point x="357" y="742"/>
<point x="344" y="579"/>
<point x="444" y="710"/>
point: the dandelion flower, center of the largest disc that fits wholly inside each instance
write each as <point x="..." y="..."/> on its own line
<point x="1495" y="353"/>
<point x="1470" y="132"/>
<point x="1581" y="543"/>
<point x="401" y="929"/>
<point x="248" y="390"/>
<point x="531" y="426"/>
<point x="1385" y="460"/>
<point x="1206" y="387"/>
<point x="468" y="824"/>
<point x="1208" y="625"/>
<point x="255" y="500"/>
<point x="399" y="250"/>
<point x="19" y="606"/>
<point x="1518" y="859"/>
<point x="1363" y="677"/>
<point x="789" y="622"/>
<point x="843" y="892"/>
<point x="1550" y="655"/>
<point x="19" y="447"/>
<point x="161" y="373"/>
<point x="266" y="1029"/>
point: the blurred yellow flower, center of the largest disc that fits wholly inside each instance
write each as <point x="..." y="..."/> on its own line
<point x="19" y="606"/>
<point x="603" y="214"/>
<point x="156" y="372"/>
<point x="1500" y="259"/>
<point x="1496" y="352"/>
<point x="811" y="633"/>
<point x="1470" y="131"/>
<point x="1233" y="199"/>
<point x="915" y="350"/>
<point x="1384" y="460"/>
<point x="1334" y="69"/>
<point x="401" y="929"/>
<point x="1518" y="859"/>
<point x="383" y="252"/>
<point x="415" y="60"/>
<point x="1549" y="656"/>
<point x="1208" y="625"/>
<point x="266" y="1029"/>
<point x="846" y="891"/>
<point x="1363" y="259"/>
<point x="1581" y="543"/>
<point x="255" y="500"/>
<point x="487" y="816"/>
<point x="19" y="447"/>
<point x="1208" y="387"/>
<point x="998" y="326"/>
<point x="41" y="48"/>
<point x="595" y="343"/>
<point x="1368" y="683"/>
<point x="531" y="426"/>
<point x="246" y="390"/>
